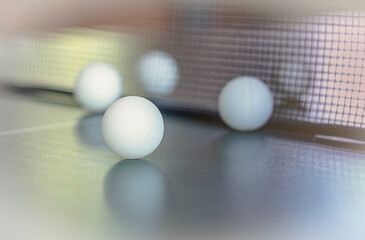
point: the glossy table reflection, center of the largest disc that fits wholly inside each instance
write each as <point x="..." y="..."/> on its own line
<point x="58" y="180"/>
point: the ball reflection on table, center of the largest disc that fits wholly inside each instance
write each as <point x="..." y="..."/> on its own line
<point x="136" y="191"/>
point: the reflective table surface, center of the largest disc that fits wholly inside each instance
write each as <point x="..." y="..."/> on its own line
<point x="59" y="181"/>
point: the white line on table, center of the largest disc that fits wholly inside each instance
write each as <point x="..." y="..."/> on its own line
<point x="38" y="128"/>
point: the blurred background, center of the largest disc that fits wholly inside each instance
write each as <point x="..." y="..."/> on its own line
<point x="311" y="55"/>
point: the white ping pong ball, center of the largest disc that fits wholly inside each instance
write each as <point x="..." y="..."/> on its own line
<point x="158" y="73"/>
<point x="133" y="127"/>
<point x="245" y="103"/>
<point x="98" y="86"/>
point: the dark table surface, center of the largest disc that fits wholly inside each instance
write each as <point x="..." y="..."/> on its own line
<point x="59" y="181"/>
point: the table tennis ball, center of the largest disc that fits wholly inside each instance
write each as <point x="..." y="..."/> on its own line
<point x="98" y="86"/>
<point x="133" y="127"/>
<point x="158" y="73"/>
<point x="245" y="103"/>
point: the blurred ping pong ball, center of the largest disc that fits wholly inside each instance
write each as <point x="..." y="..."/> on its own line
<point x="158" y="73"/>
<point x="133" y="127"/>
<point x="245" y="103"/>
<point x="98" y="86"/>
